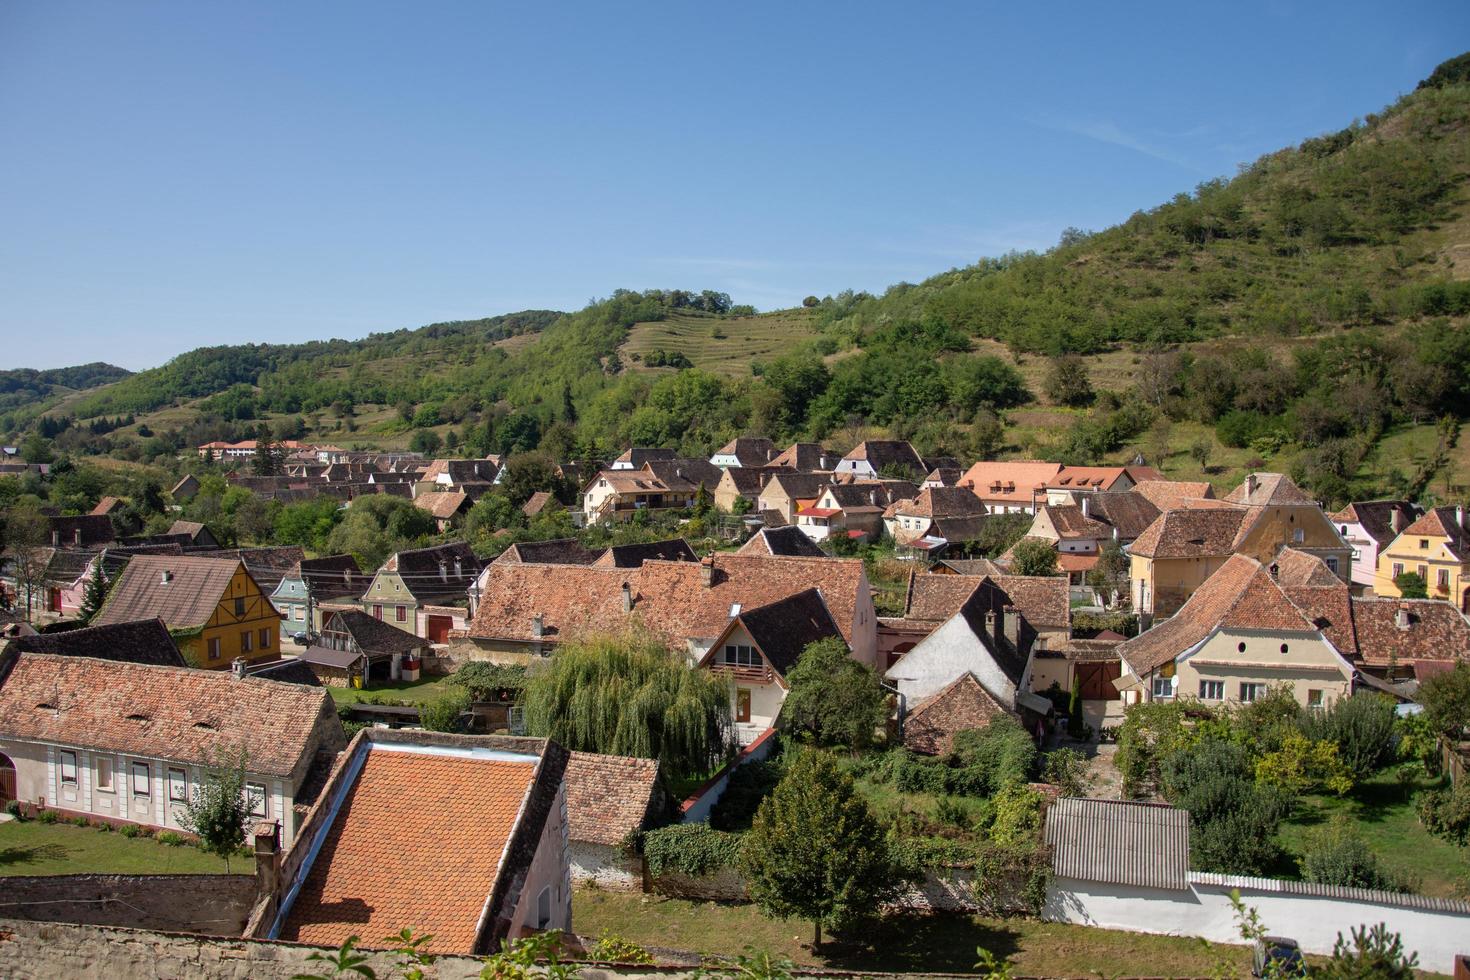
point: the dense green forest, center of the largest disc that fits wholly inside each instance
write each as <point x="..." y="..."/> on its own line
<point x="1296" y="313"/>
<point x="26" y="386"/>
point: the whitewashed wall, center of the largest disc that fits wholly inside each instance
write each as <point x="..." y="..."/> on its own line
<point x="603" y="866"/>
<point x="1313" y="915"/>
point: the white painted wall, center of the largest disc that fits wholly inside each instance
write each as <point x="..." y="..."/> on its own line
<point x="603" y="866"/>
<point x="944" y="655"/>
<point x="1314" y="921"/>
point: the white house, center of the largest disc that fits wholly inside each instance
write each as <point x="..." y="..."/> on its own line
<point x="1368" y="526"/>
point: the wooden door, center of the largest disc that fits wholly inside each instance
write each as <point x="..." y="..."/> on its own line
<point x="1096" y="680"/>
<point x="7" y="780"/>
<point x="438" y="628"/>
<point x="742" y="704"/>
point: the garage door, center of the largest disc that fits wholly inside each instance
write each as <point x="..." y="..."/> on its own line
<point x="1096" y="680"/>
<point x="438" y="628"/>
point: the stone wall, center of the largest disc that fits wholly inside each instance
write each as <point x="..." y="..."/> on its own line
<point x="213" y="905"/>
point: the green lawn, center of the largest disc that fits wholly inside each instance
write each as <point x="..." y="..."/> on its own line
<point x="424" y="689"/>
<point x="928" y="943"/>
<point x="35" y="848"/>
<point x="1384" y="813"/>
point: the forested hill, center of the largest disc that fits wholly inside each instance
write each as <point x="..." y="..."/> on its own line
<point x="23" y="386"/>
<point x="1296" y="315"/>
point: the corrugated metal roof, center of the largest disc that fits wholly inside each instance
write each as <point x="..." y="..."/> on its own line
<point x="1376" y="897"/>
<point x="1119" y="842"/>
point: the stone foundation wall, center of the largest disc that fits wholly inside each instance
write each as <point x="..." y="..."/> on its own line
<point x="212" y="905"/>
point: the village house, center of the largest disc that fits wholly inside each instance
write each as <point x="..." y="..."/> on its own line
<point x="1237" y="636"/>
<point x="744" y="451"/>
<point x="1172" y="494"/>
<point x="1183" y="547"/>
<point x="944" y="476"/>
<point x="609" y="799"/>
<point x="913" y="517"/>
<point x="788" y="540"/>
<point x="1073" y="482"/>
<point x="424" y="590"/>
<point x="266" y="565"/>
<point x="741" y="483"/>
<point x="634" y="458"/>
<point x="184" y="491"/>
<point x="357" y="867"/>
<point x="525" y="610"/>
<point x="131" y="743"/>
<point x="88" y="531"/>
<point x="445" y="507"/>
<point x="1081" y="531"/>
<point x="358" y="650"/>
<point x="756" y="650"/>
<point x="782" y="494"/>
<point x="1370" y="525"/>
<point x="199" y="535"/>
<point x="806" y="457"/>
<point x="215" y="610"/>
<point x="1436" y="547"/>
<point x="613" y="496"/>
<point x="931" y="599"/>
<point x="854" y="509"/>
<point x="309" y="583"/>
<point x="144" y="641"/>
<point x="882" y="457"/>
<point x="1011" y="487"/>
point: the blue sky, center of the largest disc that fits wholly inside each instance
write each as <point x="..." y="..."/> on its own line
<point x="181" y="174"/>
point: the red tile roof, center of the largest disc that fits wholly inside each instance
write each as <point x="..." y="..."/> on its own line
<point x="419" y="839"/>
<point x="1191" y="532"/>
<point x="1444" y="522"/>
<point x="962" y="704"/>
<point x="609" y="796"/>
<point x="192" y="592"/>
<point x="442" y="505"/>
<point x="1268" y="489"/>
<point x="1169" y="494"/>
<point x="1435" y="630"/>
<point x="1012" y="482"/>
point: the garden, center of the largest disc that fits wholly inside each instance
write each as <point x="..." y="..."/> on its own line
<point x="54" y="846"/>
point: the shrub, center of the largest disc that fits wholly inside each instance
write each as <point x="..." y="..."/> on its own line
<point x="1003" y="750"/>
<point x="130" y="830"/>
<point x="13" y="808"/>
<point x="1017" y="816"/>
<point x="1360" y="726"/>
<point x="172" y="839"/>
<point x="80" y="822"/>
<point x="1336" y="854"/>
<point x="105" y="828"/>
<point x="48" y="816"/>
<point x="1302" y="764"/>
<point x="611" y="948"/>
<point x="693" y="849"/>
<point x="443" y="713"/>
<point x="748" y="785"/>
<point x="1233" y="819"/>
<point x="483" y="680"/>
<point x="1446" y="813"/>
<point x="1067" y="770"/>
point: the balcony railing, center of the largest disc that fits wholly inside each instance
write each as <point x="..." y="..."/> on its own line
<point x="748" y="674"/>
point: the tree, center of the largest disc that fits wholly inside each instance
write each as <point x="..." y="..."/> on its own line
<point x="814" y="850"/>
<point x="219" y="810"/>
<point x="1446" y="700"/>
<point x="1373" y="954"/>
<point x="526" y="473"/>
<point x="1067" y="381"/>
<point x="1034" y="556"/>
<point x="263" y="463"/>
<point x="987" y="434"/>
<point x="94" y="595"/>
<point x="1411" y="585"/>
<point x="25" y="547"/>
<point x="1110" y="574"/>
<point x="628" y="694"/>
<point x="1362" y="728"/>
<point x="425" y="441"/>
<point x="36" y="449"/>
<point x="834" y="699"/>
<point x="1200" y="452"/>
<point x="810" y="302"/>
<point x="377" y="525"/>
<point x="442" y="714"/>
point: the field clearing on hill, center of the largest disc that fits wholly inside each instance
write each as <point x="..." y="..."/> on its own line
<point x="762" y="337"/>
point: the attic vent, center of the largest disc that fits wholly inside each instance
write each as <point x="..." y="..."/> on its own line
<point x="46" y="706"/>
<point x="139" y="718"/>
<point x="207" y="726"/>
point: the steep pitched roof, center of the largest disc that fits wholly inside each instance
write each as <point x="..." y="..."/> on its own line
<point x="107" y="505"/>
<point x="1378" y="517"/>
<point x="1444" y="522"/>
<point x="1268" y="489"/>
<point x="181" y="590"/>
<point x="805" y="456"/>
<point x="1330" y="609"/>
<point x="266" y="565"/>
<point x="558" y="551"/>
<point x="1070" y="522"/>
<point x="1043" y="601"/>
<point x="940" y="502"/>
<point x="421" y="569"/>
<point x="747" y="480"/>
<point x="1013" y="481"/>
<point x="541" y="500"/>
<point x="1191" y="532"/>
<point x="163" y="712"/>
<point x="935" y="598"/>
<point x="634" y="555"/>
<point x="749" y="450"/>
<point x="83" y="530"/>
<point x="442" y="506"/>
<point x="609" y="796"/>
<point x="1240" y="595"/>
<point x="962" y="704"/>
<point x="800" y="485"/>
<point x="144" y="641"/>
<point x="330" y="576"/>
<point x="1432" y="630"/>
<point x="1099" y="478"/>
<point x="784" y="628"/>
<point x="373" y="636"/>
<point x="1293" y="567"/>
<point x="688" y="474"/>
<point x="787" y="540"/>
<point x="1130" y="513"/>
<point x="1169" y="494"/>
<point x="887" y="452"/>
<point x="638" y="455"/>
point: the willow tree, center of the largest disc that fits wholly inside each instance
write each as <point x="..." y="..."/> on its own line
<point x="628" y="694"/>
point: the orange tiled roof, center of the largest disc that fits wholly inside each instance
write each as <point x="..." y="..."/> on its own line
<point x="609" y="796"/>
<point x="1013" y="481"/>
<point x="1444" y="522"/>
<point x="418" y="839"/>
<point x="1043" y="602"/>
<point x="1268" y="489"/>
<point x="1435" y="630"/>
<point x="441" y="505"/>
<point x="1294" y="567"/>
<point x="1169" y="494"/>
<point x="1192" y="532"/>
<point x="940" y="502"/>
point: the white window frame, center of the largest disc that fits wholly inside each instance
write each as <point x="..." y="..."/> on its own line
<point x="543" y="908"/>
<point x="103" y="782"/>
<point x="68" y="764"/>
<point x="142" y="789"/>
<point x="1162" y="687"/>
<point x="178" y="784"/>
<point x="1255" y="689"/>
<point x="1212" y="690"/>
<point x="257" y="800"/>
<point x="740" y="655"/>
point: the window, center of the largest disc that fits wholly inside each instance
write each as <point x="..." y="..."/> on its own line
<point x="742" y="704"/>
<point x="265" y="638"/>
<point x="1298" y="535"/>
<point x="178" y="785"/>
<point x="543" y="908"/>
<point x="214" y="648"/>
<point x="401" y="614"/>
<point x="739" y="655"/>
<point x="1331" y="564"/>
<point x="1424" y="573"/>
<point x="1284" y="648"/>
<point x="1443" y="579"/>
<point x="1314" y="699"/>
<point x="239" y="608"/>
<point x="377" y="612"/>
<point x="141" y="778"/>
<point x="1163" y="687"/>
<point x="255" y="798"/>
<point x="1423" y="544"/>
<point x="245" y="640"/>
<point x="104" y="774"/>
<point x="1398" y="569"/>
<point x="1250" y="691"/>
<point x="1211" y="690"/>
<point x="1240" y="646"/>
<point x="68" y="767"/>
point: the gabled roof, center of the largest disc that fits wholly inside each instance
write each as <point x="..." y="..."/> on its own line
<point x="962" y="704"/>
<point x="805" y="456"/>
<point x="747" y="480"/>
<point x="1130" y="513"/>
<point x="373" y="636"/>
<point x="959" y="529"/>
<point x="1119" y="842"/>
<point x="638" y="455"/>
<point x="749" y="450"/>
<point x="541" y="500"/>
<point x="266" y="565"/>
<point x="1377" y="517"/>
<point x="887" y="452"/>
<point x="1293" y="567"/>
<point x="192" y="528"/>
<point x="1268" y="489"/>
<point x="1070" y="522"/>
<point x="1432" y="630"/>
<point x="634" y="555"/>
<point x="685" y="474"/>
<point x="144" y="641"/>
<point x="1169" y="494"/>
<point x="442" y="506"/>
<point x="1240" y="595"/>
<point x="470" y="471"/>
<point x="972" y="566"/>
<point x="947" y="476"/>
<point x="787" y="540"/>
<point x="430" y="572"/>
<point x="330" y="576"/>
<point x="84" y="530"/>
<point x="940" y="502"/>
<point x="609" y="797"/>
<point x="162" y="712"/>
<point x="558" y="551"/>
<point x="1043" y="602"/>
<point x="800" y="485"/>
<point x="107" y="505"/>
<point x="1099" y="478"/>
<point x="1013" y="481"/>
<point x="1444" y="522"/>
<point x="784" y="628"/>
<point x="181" y="590"/>
<point x="1191" y="532"/>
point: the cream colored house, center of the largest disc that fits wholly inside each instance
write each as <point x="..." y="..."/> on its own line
<point x="1238" y="636"/>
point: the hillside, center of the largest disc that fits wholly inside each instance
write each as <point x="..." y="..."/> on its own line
<point x="1309" y="314"/>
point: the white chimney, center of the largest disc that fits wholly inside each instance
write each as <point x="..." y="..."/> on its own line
<point x="458" y="569"/>
<point x="443" y="571"/>
<point x="1459" y="519"/>
<point x="1396" y="520"/>
<point x="538" y="625"/>
<point x="237" y="668"/>
<point x="1401" y="618"/>
<point x="627" y="598"/>
<point x="707" y="572"/>
<point x="1086" y="507"/>
<point x="165" y="577"/>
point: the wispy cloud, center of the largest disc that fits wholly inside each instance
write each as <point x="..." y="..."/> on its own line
<point x="1107" y="131"/>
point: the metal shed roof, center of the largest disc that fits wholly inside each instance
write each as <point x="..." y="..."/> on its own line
<point x="1119" y="842"/>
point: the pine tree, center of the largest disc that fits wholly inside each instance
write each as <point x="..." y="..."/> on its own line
<point x="815" y="851"/>
<point x="94" y="595"/>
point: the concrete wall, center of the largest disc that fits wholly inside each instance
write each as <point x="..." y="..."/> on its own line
<point x="1313" y="915"/>
<point x="696" y="808"/>
<point x="213" y="905"/>
<point x="604" y="866"/>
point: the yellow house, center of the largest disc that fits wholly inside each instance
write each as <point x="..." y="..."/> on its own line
<point x="1183" y="547"/>
<point x="214" y="609"/>
<point x="1437" y="548"/>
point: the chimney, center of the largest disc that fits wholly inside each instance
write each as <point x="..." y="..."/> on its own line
<point x="346" y="576"/>
<point x="443" y="570"/>
<point x="1012" y="625"/>
<point x="872" y="498"/>
<point x="458" y="569"/>
<point x="1459" y="519"/>
<point x="707" y="572"/>
<point x="165" y="577"/>
<point x="1401" y="618"/>
<point x="77" y="536"/>
<point x="627" y="598"/>
<point x="1395" y="520"/>
<point x="990" y="632"/>
<point x="1086" y="507"/>
<point x="267" y="859"/>
<point x="237" y="668"/>
<point x="1250" y="486"/>
<point x="538" y="625"/>
<point x="56" y="539"/>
